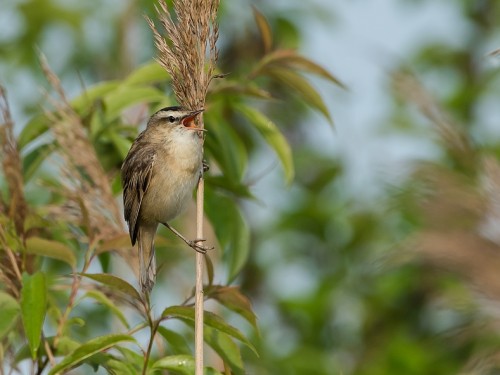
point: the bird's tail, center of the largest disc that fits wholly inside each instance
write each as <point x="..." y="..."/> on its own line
<point x="147" y="258"/>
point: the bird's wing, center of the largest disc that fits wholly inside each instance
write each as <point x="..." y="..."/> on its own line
<point x="136" y="175"/>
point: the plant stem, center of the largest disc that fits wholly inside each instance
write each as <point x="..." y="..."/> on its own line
<point x="198" y="302"/>
<point x="154" y="327"/>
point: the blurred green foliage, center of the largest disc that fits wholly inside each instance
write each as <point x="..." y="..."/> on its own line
<point x="407" y="284"/>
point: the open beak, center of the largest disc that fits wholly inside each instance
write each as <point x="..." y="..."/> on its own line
<point x="188" y="120"/>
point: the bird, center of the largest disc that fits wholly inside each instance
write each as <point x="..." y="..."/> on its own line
<point x="159" y="174"/>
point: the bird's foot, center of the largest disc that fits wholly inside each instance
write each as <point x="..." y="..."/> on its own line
<point x="206" y="166"/>
<point x="195" y="245"/>
<point x="198" y="247"/>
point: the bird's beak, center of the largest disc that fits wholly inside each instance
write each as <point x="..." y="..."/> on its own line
<point x="188" y="120"/>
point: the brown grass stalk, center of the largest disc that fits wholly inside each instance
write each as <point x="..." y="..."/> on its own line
<point x="188" y="53"/>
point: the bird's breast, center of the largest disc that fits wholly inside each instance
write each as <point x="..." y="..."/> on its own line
<point x="175" y="175"/>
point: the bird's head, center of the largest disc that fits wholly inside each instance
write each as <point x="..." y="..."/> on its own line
<point x="176" y="117"/>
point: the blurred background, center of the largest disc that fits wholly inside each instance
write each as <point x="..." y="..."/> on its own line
<point x="382" y="257"/>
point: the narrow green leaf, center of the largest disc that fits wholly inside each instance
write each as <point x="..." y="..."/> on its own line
<point x="301" y="86"/>
<point x="122" y="144"/>
<point x="32" y="130"/>
<point x="234" y="88"/>
<point x="33" y="308"/>
<point x="232" y="298"/>
<point x="146" y="74"/>
<point x="101" y="298"/>
<point x="226" y="348"/>
<point x="111" y="244"/>
<point x="115" y="283"/>
<point x="9" y="313"/>
<point x="272" y="136"/>
<point x="210" y="270"/>
<point x="290" y="58"/>
<point x="210" y="320"/>
<point x="88" y="349"/>
<point x="128" y="95"/>
<point x="65" y="346"/>
<point x="264" y="28"/>
<point x="132" y="357"/>
<point x="33" y="160"/>
<point x="177" y="342"/>
<point x="230" y="228"/>
<point x="181" y="364"/>
<point x="114" y="365"/>
<point x="85" y="101"/>
<point x="226" y="146"/>
<point x="224" y="183"/>
<point x="51" y="249"/>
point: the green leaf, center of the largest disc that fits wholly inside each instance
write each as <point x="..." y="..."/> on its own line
<point x="32" y="130"/>
<point x="85" y="101"/>
<point x="128" y="95"/>
<point x="181" y="364"/>
<point x="232" y="298"/>
<point x="301" y="86"/>
<point x="210" y="319"/>
<point x="33" y="160"/>
<point x="101" y="298"/>
<point x="9" y="313"/>
<point x="264" y="28"/>
<point x="230" y="228"/>
<point x="132" y="357"/>
<point x="291" y="59"/>
<point x="88" y="349"/>
<point x="226" y="348"/>
<point x="122" y="144"/>
<point x="226" y="146"/>
<point x="272" y="136"/>
<point x="149" y="73"/>
<point x="65" y="346"/>
<point x="111" y="244"/>
<point x="234" y="88"/>
<point x="33" y="308"/>
<point x="225" y="184"/>
<point x="114" y="283"/>
<point x="177" y="342"/>
<point x="114" y="365"/>
<point x="51" y="249"/>
<point x="210" y="270"/>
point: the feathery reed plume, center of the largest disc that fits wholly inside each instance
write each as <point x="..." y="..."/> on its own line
<point x="411" y="90"/>
<point x="87" y="187"/>
<point x="188" y="52"/>
<point x="16" y="208"/>
<point x="12" y="167"/>
<point x="461" y="210"/>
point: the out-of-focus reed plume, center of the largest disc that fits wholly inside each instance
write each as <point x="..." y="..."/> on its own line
<point x="12" y="167"/>
<point x="90" y="200"/>
<point x="16" y="208"/>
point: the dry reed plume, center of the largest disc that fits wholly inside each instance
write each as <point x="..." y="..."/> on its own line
<point x="87" y="187"/>
<point x="16" y="208"/>
<point x="188" y="52"/>
<point x="461" y="209"/>
<point x="12" y="167"/>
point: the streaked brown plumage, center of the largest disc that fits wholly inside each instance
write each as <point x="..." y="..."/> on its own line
<point x="158" y="176"/>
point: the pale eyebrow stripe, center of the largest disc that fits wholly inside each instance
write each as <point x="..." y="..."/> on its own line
<point x="167" y="114"/>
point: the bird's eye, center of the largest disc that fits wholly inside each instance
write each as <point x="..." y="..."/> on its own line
<point x="171" y="118"/>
